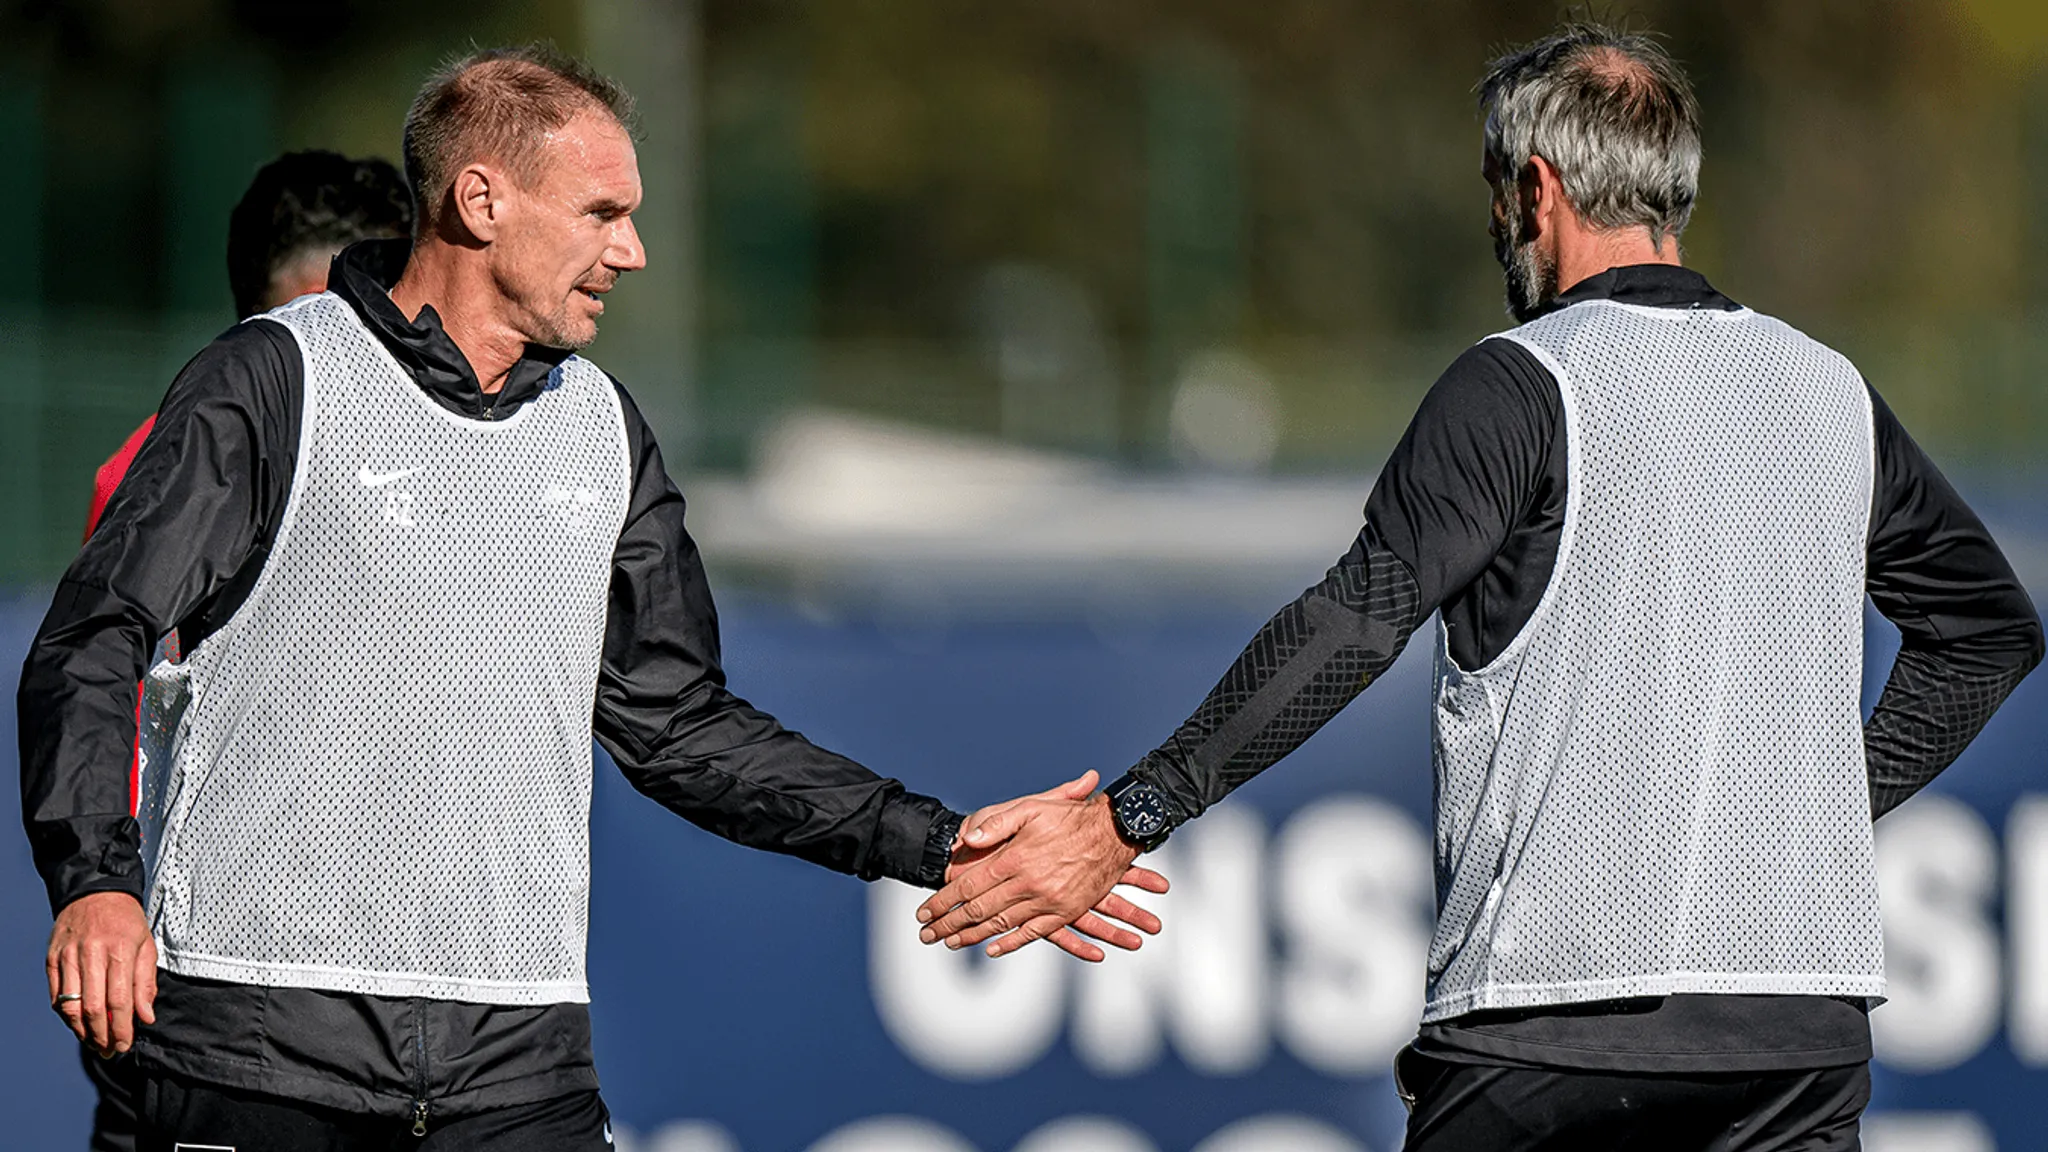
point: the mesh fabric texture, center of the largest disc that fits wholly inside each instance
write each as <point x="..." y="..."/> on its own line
<point x="1659" y="786"/>
<point x="381" y="781"/>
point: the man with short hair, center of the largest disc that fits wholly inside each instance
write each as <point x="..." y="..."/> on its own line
<point x="419" y="553"/>
<point x="1649" y="517"/>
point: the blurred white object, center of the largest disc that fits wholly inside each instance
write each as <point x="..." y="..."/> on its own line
<point x="1279" y="1133"/>
<point x="1926" y="1132"/>
<point x="848" y="477"/>
<point x="1086" y="1134"/>
<point x="1226" y="414"/>
<point x="678" y="1136"/>
<point x="893" y="1134"/>
<point x="847" y="505"/>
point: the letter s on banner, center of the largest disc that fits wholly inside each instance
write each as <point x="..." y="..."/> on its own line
<point x="1937" y="871"/>
<point x="959" y="1014"/>
<point x="1353" y="892"/>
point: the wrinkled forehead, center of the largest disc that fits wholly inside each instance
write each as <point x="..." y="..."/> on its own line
<point x="590" y="156"/>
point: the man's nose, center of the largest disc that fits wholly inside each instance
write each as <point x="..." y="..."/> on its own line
<point x="626" y="252"/>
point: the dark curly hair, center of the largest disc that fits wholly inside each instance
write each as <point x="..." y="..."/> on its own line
<point x="304" y="205"/>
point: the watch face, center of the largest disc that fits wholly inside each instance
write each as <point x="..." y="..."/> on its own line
<point x="1143" y="812"/>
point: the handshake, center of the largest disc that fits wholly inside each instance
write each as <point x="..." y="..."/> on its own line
<point x="1042" y="867"/>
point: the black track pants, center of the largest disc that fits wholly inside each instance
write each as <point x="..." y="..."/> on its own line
<point x="113" y="1115"/>
<point x="182" y="1113"/>
<point x="1483" y="1108"/>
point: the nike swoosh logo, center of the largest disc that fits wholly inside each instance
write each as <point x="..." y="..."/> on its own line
<point x="369" y="479"/>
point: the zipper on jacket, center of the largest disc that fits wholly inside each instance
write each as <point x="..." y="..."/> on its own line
<point x="419" y="1039"/>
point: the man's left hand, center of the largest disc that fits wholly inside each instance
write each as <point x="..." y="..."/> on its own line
<point x="1031" y="869"/>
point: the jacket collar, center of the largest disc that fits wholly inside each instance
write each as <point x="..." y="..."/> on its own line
<point x="1654" y="285"/>
<point x="363" y="273"/>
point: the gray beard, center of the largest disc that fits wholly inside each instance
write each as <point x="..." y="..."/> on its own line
<point x="553" y="332"/>
<point x="1529" y="275"/>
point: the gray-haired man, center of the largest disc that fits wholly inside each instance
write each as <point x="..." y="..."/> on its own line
<point x="1649" y="518"/>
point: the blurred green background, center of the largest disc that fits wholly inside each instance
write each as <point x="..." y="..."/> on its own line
<point x="1040" y="221"/>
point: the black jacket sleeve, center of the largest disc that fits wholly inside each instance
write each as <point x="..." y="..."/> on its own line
<point x="1453" y="499"/>
<point x="1472" y="497"/>
<point x="1309" y="661"/>
<point x="683" y="739"/>
<point x="186" y="528"/>
<point x="1968" y="633"/>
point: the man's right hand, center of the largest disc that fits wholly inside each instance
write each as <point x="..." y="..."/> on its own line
<point x="101" y="953"/>
<point x="986" y="835"/>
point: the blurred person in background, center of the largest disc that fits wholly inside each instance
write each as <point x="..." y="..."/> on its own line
<point x="420" y="553"/>
<point x="297" y="214"/>
<point x="1649" y="517"/>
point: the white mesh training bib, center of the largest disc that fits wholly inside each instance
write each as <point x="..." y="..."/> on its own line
<point x="381" y="781"/>
<point x="1659" y="786"/>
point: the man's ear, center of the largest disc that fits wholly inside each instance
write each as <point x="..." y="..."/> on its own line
<point x="478" y="197"/>
<point x="1543" y="195"/>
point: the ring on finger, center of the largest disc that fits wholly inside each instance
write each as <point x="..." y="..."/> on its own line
<point x="64" y="998"/>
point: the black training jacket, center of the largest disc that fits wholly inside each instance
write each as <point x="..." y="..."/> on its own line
<point x="179" y="546"/>
<point x="1465" y="520"/>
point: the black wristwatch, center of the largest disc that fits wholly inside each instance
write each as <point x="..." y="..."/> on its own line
<point x="1144" y="813"/>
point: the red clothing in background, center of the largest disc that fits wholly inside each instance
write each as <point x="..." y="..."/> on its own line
<point x="104" y="482"/>
<point x="109" y="476"/>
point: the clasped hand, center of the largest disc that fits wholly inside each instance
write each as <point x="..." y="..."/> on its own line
<point x="1042" y="867"/>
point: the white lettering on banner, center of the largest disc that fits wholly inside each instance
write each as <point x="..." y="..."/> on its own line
<point x="959" y="1014"/>
<point x="1926" y="1132"/>
<point x="1351" y="895"/>
<point x="894" y="1134"/>
<point x="1937" y="872"/>
<point x="678" y="1136"/>
<point x="1354" y="900"/>
<point x="1279" y="1133"/>
<point x="1205" y="979"/>
<point x="1344" y="890"/>
<point x="1086" y="1134"/>
<point x="2026" y="925"/>
<point x="1271" y="1132"/>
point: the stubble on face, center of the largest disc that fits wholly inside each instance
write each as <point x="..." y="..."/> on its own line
<point x="1529" y="273"/>
<point x="591" y="164"/>
<point x="563" y="327"/>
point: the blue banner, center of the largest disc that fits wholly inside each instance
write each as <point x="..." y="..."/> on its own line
<point x="749" y="1003"/>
